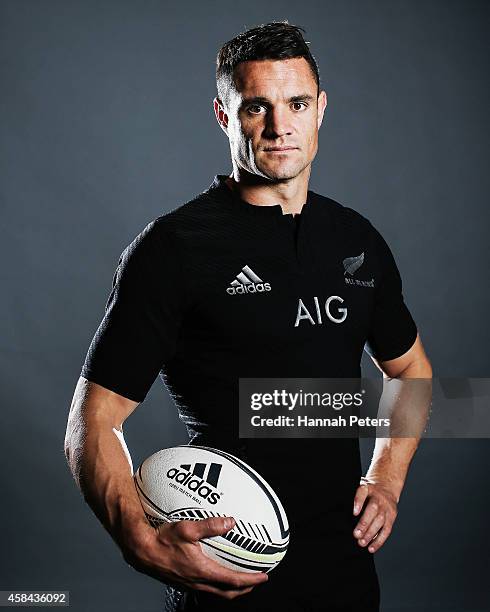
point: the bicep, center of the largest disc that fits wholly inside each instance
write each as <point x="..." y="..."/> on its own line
<point x="139" y="331"/>
<point x="414" y="361"/>
<point x="93" y="402"/>
<point x="393" y="333"/>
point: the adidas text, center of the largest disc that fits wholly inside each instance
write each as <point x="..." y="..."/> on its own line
<point x="252" y="288"/>
<point x="195" y="484"/>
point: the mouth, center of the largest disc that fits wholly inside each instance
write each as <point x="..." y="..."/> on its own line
<point x="280" y="149"/>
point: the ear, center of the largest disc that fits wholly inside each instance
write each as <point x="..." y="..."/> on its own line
<point x="221" y="116"/>
<point x="322" y="105"/>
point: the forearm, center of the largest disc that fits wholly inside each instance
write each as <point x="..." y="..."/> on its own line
<point x="101" y="465"/>
<point x="407" y="402"/>
<point x="390" y="462"/>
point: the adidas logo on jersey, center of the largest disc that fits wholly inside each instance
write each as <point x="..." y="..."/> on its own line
<point x="195" y="480"/>
<point x="247" y="282"/>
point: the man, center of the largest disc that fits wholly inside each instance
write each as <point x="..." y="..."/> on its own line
<point x="219" y="289"/>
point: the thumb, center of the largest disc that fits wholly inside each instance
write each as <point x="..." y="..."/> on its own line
<point x="205" y="528"/>
<point x="360" y="497"/>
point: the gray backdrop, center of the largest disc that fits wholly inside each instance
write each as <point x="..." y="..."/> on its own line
<point x="107" y="122"/>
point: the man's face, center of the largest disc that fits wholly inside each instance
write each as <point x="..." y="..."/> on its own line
<point x="272" y="117"/>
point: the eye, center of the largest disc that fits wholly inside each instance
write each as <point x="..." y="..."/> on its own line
<point x="254" y="109"/>
<point x="301" y="105"/>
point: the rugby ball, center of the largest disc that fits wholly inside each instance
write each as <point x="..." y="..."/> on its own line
<point x="195" y="483"/>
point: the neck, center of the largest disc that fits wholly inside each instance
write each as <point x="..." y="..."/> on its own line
<point x="291" y="194"/>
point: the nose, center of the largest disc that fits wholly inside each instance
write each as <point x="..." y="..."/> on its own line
<point x="278" y="123"/>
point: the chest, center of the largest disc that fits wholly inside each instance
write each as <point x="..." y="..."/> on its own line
<point x="281" y="288"/>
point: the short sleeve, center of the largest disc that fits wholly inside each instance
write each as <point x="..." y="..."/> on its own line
<point x="143" y="314"/>
<point x="393" y="330"/>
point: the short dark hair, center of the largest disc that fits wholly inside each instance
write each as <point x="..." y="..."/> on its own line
<point x="275" y="41"/>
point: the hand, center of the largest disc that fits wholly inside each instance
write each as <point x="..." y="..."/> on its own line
<point x="172" y="554"/>
<point x="377" y="520"/>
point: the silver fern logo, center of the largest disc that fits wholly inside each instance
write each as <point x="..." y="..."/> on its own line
<point x="351" y="265"/>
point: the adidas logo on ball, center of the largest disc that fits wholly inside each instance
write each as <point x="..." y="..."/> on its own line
<point x="195" y="480"/>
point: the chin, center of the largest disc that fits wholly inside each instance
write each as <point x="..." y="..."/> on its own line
<point x="287" y="170"/>
<point x="282" y="174"/>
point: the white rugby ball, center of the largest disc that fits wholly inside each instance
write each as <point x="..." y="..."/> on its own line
<point x="195" y="483"/>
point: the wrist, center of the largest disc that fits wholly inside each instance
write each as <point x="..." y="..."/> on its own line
<point x="136" y="538"/>
<point x="129" y="526"/>
<point x="392" y="484"/>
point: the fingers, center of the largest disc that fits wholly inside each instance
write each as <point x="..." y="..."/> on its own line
<point x="376" y="522"/>
<point x="381" y="538"/>
<point x="367" y="518"/>
<point x="205" y="569"/>
<point x="373" y="529"/>
<point x="230" y="594"/>
<point x="360" y="498"/>
<point x="226" y="578"/>
<point x="203" y="586"/>
<point x="180" y="558"/>
<point x="193" y="531"/>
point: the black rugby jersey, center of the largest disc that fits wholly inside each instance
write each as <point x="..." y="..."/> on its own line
<point x="219" y="289"/>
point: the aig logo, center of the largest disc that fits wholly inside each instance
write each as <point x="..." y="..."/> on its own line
<point x="333" y="312"/>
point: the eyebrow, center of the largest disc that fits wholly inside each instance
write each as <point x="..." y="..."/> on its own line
<point x="262" y="100"/>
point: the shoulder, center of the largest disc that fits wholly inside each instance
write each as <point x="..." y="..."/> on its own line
<point x="354" y="230"/>
<point x="344" y="218"/>
<point x="202" y="216"/>
<point x="168" y="229"/>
